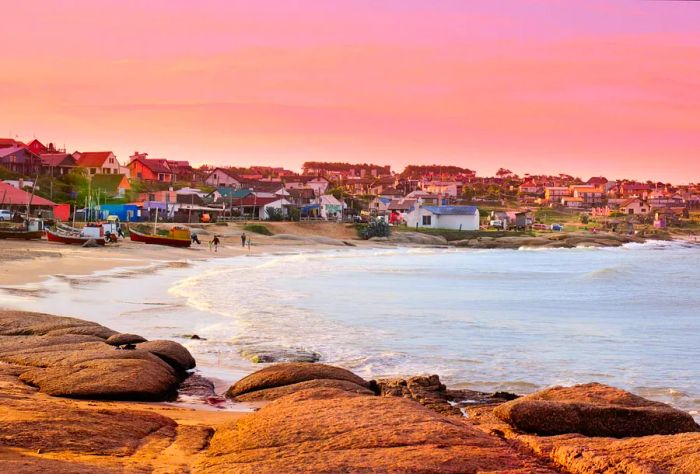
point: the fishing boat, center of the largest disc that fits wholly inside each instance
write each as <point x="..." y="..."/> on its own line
<point x="176" y="237"/>
<point x="57" y="235"/>
<point x="32" y="229"/>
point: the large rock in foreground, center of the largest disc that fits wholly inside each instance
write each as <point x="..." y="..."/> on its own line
<point x="279" y="375"/>
<point x="69" y="357"/>
<point x="593" y="410"/>
<point x="330" y="431"/>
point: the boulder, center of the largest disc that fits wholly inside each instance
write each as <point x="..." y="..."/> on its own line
<point x="267" y="355"/>
<point x="593" y="410"/>
<point x="417" y="238"/>
<point x="111" y="379"/>
<point x="171" y="352"/>
<point x="196" y="386"/>
<point x="68" y="357"/>
<point x="330" y="430"/>
<point x="123" y="339"/>
<point x="279" y="392"/>
<point x="430" y="392"/>
<point x="290" y="373"/>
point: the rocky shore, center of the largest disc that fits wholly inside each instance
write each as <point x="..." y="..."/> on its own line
<point x="78" y="397"/>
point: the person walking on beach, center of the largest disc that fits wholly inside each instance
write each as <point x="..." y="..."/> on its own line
<point x="195" y="239"/>
<point x="215" y="242"/>
<point x="243" y="240"/>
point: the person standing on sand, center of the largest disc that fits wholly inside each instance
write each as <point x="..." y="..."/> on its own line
<point x="243" y="240"/>
<point x="215" y="242"/>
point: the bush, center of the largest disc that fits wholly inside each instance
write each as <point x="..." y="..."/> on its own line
<point x="274" y="214"/>
<point x="257" y="229"/>
<point x="375" y="228"/>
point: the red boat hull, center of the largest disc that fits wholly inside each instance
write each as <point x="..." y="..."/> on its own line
<point x="158" y="239"/>
<point x="71" y="239"/>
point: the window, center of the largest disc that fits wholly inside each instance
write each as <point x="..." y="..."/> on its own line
<point x="93" y="170"/>
<point x="427" y="220"/>
<point x="160" y="177"/>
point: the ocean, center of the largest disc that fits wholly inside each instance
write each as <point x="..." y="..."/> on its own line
<point x="514" y="320"/>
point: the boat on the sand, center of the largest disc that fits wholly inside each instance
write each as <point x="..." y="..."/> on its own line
<point x="176" y="237"/>
<point x="56" y="235"/>
<point x="31" y="229"/>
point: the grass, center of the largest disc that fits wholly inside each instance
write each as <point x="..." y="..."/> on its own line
<point x="452" y="235"/>
<point x="257" y="229"/>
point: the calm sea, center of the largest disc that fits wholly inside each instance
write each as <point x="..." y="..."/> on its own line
<point x="515" y="320"/>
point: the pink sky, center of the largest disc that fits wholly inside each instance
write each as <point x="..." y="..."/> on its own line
<point x="584" y="87"/>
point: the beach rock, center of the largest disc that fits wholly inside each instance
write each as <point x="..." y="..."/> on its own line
<point x="196" y="386"/>
<point x="290" y="373"/>
<point x="171" y="352"/>
<point x="22" y="323"/>
<point x="679" y="454"/>
<point x="329" y="430"/>
<point x="267" y="355"/>
<point x="593" y="410"/>
<point x="417" y="238"/>
<point x="61" y="363"/>
<point x="430" y="392"/>
<point x="279" y="392"/>
<point x="122" y="339"/>
<point x="112" y="379"/>
<point x="57" y="427"/>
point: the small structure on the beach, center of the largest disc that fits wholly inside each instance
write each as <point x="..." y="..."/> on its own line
<point x="444" y="217"/>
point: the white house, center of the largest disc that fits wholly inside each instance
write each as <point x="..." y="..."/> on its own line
<point x="444" y="217"/>
<point x="280" y="204"/>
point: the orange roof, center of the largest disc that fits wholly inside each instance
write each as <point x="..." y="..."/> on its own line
<point x="93" y="158"/>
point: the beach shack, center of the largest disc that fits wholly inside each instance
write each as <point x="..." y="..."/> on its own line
<point x="444" y="217"/>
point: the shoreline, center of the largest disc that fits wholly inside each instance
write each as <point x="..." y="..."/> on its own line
<point x="61" y="379"/>
<point x="107" y="264"/>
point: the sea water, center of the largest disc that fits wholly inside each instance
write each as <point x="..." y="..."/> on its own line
<point x="515" y="320"/>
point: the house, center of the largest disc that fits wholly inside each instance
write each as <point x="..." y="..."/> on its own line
<point x="529" y="187"/>
<point x="445" y="188"/>
<point x="15" y="199"/>
<point x="10" y="142"/>
<point x="401" y="205"/>
<point x="318" y="183"/>
<point x="554" y="194"/>
<point x="57" y="164"/>
<point x="220" y="177"/>
<point x="150" y="169"/>
<point x="301" y="196"/>
<point x="635" y="206"/>
<point x="98" y="162"/>
<point x="112" y="185"/>
<point x="424" y="198"/>
<point x="628" y="190"/>
<point x="39" y="148"/>
<point x="590" y="195"/>
<point x="20" y="159"/>
<point x="379" y="205"/>
<point x="331" y="207"/>
<point x="444" y="217"/>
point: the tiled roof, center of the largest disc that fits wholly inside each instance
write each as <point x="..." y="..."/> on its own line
<point x="56" y="159"/>
<point x="93" y="159"/>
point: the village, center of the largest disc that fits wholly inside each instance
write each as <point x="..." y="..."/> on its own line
<point x="41" y="180"/>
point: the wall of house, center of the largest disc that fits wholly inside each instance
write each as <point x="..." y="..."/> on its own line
<point x="468" y="222"/>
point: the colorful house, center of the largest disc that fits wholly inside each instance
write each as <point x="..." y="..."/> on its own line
<point x="20" y="159"/>
<point x="150" y="169"/>
<point x="57" y="164"/>
<point x="98" y="162"/>
<point x="444" y="217"/>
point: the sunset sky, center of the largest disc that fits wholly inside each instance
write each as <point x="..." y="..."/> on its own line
<point x="584" y="87"/>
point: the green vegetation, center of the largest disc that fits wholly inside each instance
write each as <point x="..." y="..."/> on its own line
<point x="452" y="235"/>
<point x="257" y="229"/>
<point x="274" y="214"/>
<point x="375" y="228"/>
